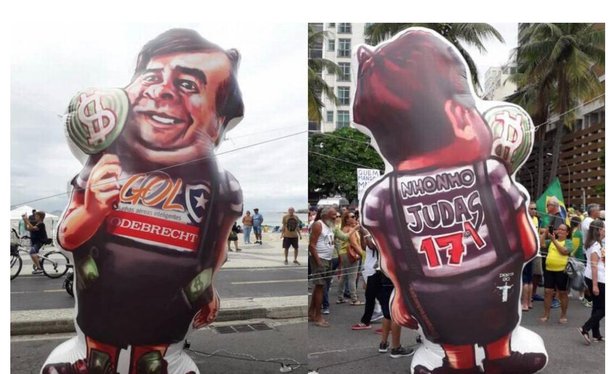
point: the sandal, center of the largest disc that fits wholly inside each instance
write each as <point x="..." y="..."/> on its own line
<point x="585" y="335"/>
<point x="356" y="303"/>
<point x="341" y="301"/>
<point x="361" y="326"/>
<point x="563" y="321"/>
<point x="322" y="323"/>
<point x="544" y="319"/>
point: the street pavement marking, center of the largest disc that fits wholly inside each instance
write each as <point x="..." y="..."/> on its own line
<point x="24" y="292"/>
<point x="272" y="281"/>
<point x="30" y="338"/>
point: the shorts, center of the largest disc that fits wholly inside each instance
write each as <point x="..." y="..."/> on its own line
<point x="257" y="229"/>
<point x="319" y="274"/>
<point x="294" y="242"/>
<point x="35" y="248"/>
<point x="527" y="273"/>
<point x="537" y="266"/>
<point x="556" y="279"/>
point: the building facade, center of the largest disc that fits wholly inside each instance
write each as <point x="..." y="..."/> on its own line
<point x="339" y="46"/>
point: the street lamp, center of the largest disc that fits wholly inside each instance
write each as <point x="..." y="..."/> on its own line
<point x="569" y="181"/>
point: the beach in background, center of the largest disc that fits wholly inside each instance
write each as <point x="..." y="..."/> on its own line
<point x="273" y="219"/>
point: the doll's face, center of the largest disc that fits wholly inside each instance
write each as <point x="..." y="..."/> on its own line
<point x="174" y="116"/>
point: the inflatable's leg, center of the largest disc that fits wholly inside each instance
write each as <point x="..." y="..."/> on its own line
<point x="67" y="358"/>
<point x="459" y="359"/>
<point x="148" y="360"/>
<point x="500" y="358"/>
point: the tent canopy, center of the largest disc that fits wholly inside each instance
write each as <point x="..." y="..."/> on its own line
<point x="50" y="220"/>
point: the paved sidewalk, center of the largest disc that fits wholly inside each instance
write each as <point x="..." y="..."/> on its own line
<point x="269" y="254"/>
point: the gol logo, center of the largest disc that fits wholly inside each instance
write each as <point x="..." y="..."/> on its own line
<point x="152" y="190"/>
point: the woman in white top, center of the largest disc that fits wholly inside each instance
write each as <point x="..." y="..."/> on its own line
<point x="595" y="279"/>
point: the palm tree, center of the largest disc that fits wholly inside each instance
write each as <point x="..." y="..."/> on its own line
<point x="316" y="86"/>
<point x="457" y="33"/>
<point x="534" y="97"/>
<point x="555" y="68"/>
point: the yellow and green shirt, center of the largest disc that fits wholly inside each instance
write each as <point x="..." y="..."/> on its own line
<point x="555" y="260"/>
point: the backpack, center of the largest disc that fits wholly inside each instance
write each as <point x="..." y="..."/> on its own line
<point x="575" y="270"/>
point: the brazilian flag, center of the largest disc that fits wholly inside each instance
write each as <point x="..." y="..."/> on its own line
<point x="554" y="189"/>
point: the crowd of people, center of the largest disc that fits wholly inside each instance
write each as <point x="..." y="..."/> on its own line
<point x="340" y="248"/>
<point x="290" y="232"/>
<point x="580" y="237"/>
<point x="343" y="255"/>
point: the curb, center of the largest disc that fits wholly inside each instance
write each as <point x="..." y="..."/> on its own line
<point x="53" y="321"/>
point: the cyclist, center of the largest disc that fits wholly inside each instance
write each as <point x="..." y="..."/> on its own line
<point x="38" y="236"/>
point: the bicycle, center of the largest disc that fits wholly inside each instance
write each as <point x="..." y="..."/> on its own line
<point x="54" y="264"/>
<point x="68" y="284"/>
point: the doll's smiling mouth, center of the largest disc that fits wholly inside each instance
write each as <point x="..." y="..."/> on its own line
<point x="163" y="119"/>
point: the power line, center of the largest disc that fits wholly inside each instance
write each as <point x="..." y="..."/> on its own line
<point x="568" y="111"/>
<point x="175" y="165"/>
<point x="339" y="137"/>
<point x="339" y="159"/>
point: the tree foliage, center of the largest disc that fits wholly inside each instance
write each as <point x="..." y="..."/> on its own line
<point x="555" y="72"/>
<point x="316" y="86"/>
<point x="334" y="158"/>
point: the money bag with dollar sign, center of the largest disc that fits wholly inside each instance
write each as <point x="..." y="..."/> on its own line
<point x="95" y="119"/>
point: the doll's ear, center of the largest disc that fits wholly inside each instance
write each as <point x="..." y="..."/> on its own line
<point x="234" y="56"/>
<point x="364" y="54"/>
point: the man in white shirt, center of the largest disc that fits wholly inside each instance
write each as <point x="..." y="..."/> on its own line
<point x="593" y="212"/>
<point x="321" y="246"/>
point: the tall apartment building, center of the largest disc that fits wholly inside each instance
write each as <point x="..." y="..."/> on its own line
<point x="339" y="46"/>
<point x="496" y="85"/>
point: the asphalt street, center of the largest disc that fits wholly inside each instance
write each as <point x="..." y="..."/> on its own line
<point x="39" y="292"/>
<point x="338" y="349"/>
<point x="224" y="348"/>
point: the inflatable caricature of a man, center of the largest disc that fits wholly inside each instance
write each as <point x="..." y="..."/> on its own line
<point x="450" y="222"/>
<point x="151" y="210"/>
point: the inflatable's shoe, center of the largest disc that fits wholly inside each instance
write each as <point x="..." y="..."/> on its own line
<point x="522" y="363"/>
<point x="445" y="369"/>
<point x="79" y="367"/>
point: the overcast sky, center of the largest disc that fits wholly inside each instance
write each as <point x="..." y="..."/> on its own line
<point x="497" y="53"/>
<point x="50" y="63"/>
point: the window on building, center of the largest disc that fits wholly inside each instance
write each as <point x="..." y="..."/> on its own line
<point x="343" y="95"/>
<point x="345" y="48"/>
<point x="331" y="25"/>
<point x="330" y="116"/>
<point x="314" y="126"/>
<point x="342" y="118"/>
<point x="331" y="45"/>
<point x="345" y="75"/>
<point x="345" y="28"/>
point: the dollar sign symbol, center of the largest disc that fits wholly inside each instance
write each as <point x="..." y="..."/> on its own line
<point x="98" y="120"/>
